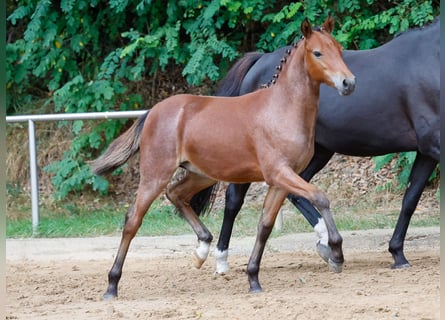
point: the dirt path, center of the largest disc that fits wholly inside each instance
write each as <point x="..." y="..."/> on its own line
<point x="65" y="278"/>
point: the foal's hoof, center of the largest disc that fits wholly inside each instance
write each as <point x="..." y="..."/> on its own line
<point x="336" y="267"/>
<point x="197" y="260"/>
<point x="324" y="251"/>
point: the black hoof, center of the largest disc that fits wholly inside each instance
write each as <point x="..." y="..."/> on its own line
<point x="336" y="267"/>
<point x="255" y="286"/>
<point x="401" y="266"/>
<point x="255" y="290"/>
<point x="109" y="296"/>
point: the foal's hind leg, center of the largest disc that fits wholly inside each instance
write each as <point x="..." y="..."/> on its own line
<point x="180" y="194"/>
<point x="133" y="220"/>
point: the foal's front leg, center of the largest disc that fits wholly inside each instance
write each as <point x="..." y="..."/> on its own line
<point x="289" y="180"/>
<point x="272" y="203"/>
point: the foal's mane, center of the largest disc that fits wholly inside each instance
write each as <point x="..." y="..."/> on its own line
<point x="284" y="59"/>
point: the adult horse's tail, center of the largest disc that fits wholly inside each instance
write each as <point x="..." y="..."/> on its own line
<point x="229" y="87"/>
<point x="121" y="149"/>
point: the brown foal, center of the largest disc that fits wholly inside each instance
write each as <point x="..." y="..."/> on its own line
<point x="273" y="130"/>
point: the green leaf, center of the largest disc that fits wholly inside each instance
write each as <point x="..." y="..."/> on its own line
<point x="20" y="13"/>
<point x="77" y="126"/>
<point x="380" y="161"/>
<point x="118" y="5"/>
<point x="67" y="5"/>
<point x="100" y="184"/>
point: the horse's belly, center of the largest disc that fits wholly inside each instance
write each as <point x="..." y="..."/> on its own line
<point x="227" y="166"/>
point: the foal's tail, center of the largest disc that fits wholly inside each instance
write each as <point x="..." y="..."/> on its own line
<point x="230" y="86"/>
<point x="121" y="149"/>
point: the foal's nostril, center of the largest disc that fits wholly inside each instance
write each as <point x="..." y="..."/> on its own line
<point x="349" y="84"/>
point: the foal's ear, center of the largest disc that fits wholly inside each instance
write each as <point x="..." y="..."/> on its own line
<point x="306" y="28"/>
<point x="328" y="25"/>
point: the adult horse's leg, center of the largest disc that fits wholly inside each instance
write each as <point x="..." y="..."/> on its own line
<point x="319" y="160"/>
<point x="133" y="220"/>
<point x="180" y="194"/>
<point x="235" y="194"/>
<point x="272" y="203"/>
<point x="422" y="168"/>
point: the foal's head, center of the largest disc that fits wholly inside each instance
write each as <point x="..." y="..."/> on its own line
<point x="323" y="57"/>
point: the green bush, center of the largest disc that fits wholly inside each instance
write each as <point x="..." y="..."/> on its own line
<point x="403" y="162"/>
<point x="87" y="55"/>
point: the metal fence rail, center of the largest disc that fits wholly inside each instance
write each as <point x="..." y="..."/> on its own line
<point x="31" y="119"/>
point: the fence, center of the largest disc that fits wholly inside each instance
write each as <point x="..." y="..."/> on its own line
<point x="31" y="119"/>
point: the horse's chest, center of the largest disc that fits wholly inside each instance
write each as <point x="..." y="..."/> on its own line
<point x="292" y="147"/>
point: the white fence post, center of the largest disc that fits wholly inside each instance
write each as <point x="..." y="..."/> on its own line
<point x="34" y="176"/>
<point x="31" y="119"/>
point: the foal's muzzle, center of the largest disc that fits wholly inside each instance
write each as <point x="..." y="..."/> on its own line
<point x="346" y="87"/>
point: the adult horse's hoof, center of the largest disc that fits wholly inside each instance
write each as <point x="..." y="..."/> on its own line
<point x="222" y="266"/>
<point x="197" y="260"/>
<point x="254" y="285"/>
<point x="324" y="251"/>
<point x="336" y="267"/>
<point x="257" y="289"/>
<point x="109" y="296"/>
<point x="401" y="266"/>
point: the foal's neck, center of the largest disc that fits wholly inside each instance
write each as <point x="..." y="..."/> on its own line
<point x="294" y="86"/>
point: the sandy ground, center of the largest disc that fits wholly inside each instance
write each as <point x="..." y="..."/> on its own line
<point x="65" y="279"/>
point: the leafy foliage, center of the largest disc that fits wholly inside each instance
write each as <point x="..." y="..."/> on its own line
<point x="402" y="165"/>
<point x="87" y="55"/>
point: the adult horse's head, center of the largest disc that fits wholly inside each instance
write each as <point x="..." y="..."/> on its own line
<point x="323" y="57"/>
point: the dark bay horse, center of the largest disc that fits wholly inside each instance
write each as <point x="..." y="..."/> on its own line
<point x="395" y="108"/>
<point x="267" y="135"/>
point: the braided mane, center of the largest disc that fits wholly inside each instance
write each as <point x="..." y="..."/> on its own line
<point x="284" y="59"/>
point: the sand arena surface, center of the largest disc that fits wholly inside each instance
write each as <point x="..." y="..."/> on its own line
<point x="65" y="279"/>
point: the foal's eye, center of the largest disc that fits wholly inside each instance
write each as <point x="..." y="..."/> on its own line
<point x="317" y="54"/>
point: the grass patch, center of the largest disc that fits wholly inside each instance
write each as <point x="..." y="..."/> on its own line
<point x="72" y="220"/>
<point x="90" y="222"/>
